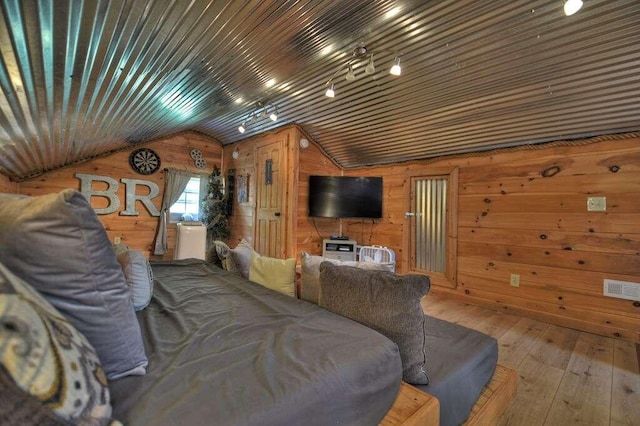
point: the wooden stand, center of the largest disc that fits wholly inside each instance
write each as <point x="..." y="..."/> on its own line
<point x="414" y="407"/>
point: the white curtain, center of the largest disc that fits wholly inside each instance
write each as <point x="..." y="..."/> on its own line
<point x="175" y="181"/>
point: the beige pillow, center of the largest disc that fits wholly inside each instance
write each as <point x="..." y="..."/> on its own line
<point x="310" y="280"/>
<point x="276" y="274"/>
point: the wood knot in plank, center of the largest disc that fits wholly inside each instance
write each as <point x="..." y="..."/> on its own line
<point x="551" y="171"/>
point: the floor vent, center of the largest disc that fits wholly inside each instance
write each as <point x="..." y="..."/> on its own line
<point x="622" y="289"/>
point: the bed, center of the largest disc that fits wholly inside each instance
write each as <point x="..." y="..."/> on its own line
<point x="223" y="350"/>
<point x="221" y="347"/>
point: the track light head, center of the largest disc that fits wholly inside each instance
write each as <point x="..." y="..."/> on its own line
<point x="330" y="93"/>
<point x="350" y="74"/>
<point x="572" y="6"/>
<point x="243" y="127"/>
<point x="396" y="69"/>
<point x="274" y="114"/>
<point x="370" y="68"/>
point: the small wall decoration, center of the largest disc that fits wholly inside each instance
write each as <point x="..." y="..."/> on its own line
<point x="231" y="183"/>
<point x="144" y="161"/>
<point x="243" y="184"/>
<point x="198" y="158"/>
<point x="268" y="172"/>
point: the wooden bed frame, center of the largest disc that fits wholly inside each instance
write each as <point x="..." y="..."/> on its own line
<point x="414" y="407"/>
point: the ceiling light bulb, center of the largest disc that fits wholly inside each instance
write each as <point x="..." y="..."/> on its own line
<point x="572" y="6"/>
<point x="350" y="74"/>
<point x="274" y="115"/>
<point x="330" y="93"/>
<point x="396" y="69"/>
<point x="242" y="127"/>
<point x="370" y="68"/>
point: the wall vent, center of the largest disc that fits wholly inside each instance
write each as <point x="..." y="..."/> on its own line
<point x="622" y="289"/>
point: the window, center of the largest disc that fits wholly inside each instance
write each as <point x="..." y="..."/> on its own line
<point x="190" y="201"/>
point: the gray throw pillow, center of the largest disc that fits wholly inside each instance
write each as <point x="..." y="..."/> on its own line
<point x="241" y="256"/>
<point x="139" y="276"/>
<point x="385" y="302"/>
<point x="56" y="243"/>
<point x="310" y="277"/>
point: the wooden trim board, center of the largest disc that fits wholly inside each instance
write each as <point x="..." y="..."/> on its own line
<point x="413" y="407"/>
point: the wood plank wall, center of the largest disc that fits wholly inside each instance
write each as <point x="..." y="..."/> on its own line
<point x="525" y="212"/>
<point x="311" y="231"/>
<point x="6" y="185"/>
<point x="137" y="232"/>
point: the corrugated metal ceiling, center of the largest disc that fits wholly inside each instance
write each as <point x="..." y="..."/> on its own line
<point x="81" y="78"/>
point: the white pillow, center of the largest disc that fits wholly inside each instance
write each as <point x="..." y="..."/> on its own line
<point x="310" y="281"/>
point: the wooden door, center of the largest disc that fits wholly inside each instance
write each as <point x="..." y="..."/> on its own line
<point x="269" y="227"/>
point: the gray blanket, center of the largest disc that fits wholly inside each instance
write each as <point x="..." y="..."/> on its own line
<point x="225" y="351"/>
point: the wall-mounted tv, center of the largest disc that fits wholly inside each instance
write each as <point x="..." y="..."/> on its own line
<point x="345" y="196"/>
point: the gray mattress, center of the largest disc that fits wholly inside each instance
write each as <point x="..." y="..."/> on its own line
<point x="225" y="351"/>
<point x="460" y="362"/>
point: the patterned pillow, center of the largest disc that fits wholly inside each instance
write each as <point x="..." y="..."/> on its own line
<point x="48" y="358"/>
<point x="224" y="254"/>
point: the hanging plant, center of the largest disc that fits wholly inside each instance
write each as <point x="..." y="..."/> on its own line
<point x="214" y="207"/>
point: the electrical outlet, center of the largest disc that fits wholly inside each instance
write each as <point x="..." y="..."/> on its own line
<point x="117" y="240"/>
<point x="515" y="280"/>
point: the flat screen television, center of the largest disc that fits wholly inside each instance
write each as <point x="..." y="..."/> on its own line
<point x="345" y="196"/>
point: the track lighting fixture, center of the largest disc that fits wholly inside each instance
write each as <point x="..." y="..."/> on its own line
<point x="261" y="110"/>
<point x="572" y="6"/>
<point x="359" y="55"/>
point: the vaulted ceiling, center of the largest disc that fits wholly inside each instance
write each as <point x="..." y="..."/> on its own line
<point x="82" y="78"/>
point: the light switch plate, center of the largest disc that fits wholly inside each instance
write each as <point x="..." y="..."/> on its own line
<point x="597" y="204"/>
<point x="514" y="280"/>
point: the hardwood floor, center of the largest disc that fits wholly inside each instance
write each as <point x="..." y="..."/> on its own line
<point x="565" y="376"/>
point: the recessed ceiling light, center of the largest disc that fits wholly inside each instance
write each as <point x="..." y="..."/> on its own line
<point x="239" y="100"/>
<point x="326" y="50"/>
<point x="393" y="12"/>
<point x="271" y="82"/>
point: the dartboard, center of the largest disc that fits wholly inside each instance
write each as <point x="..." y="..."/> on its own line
<point x="144" y="161"/>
